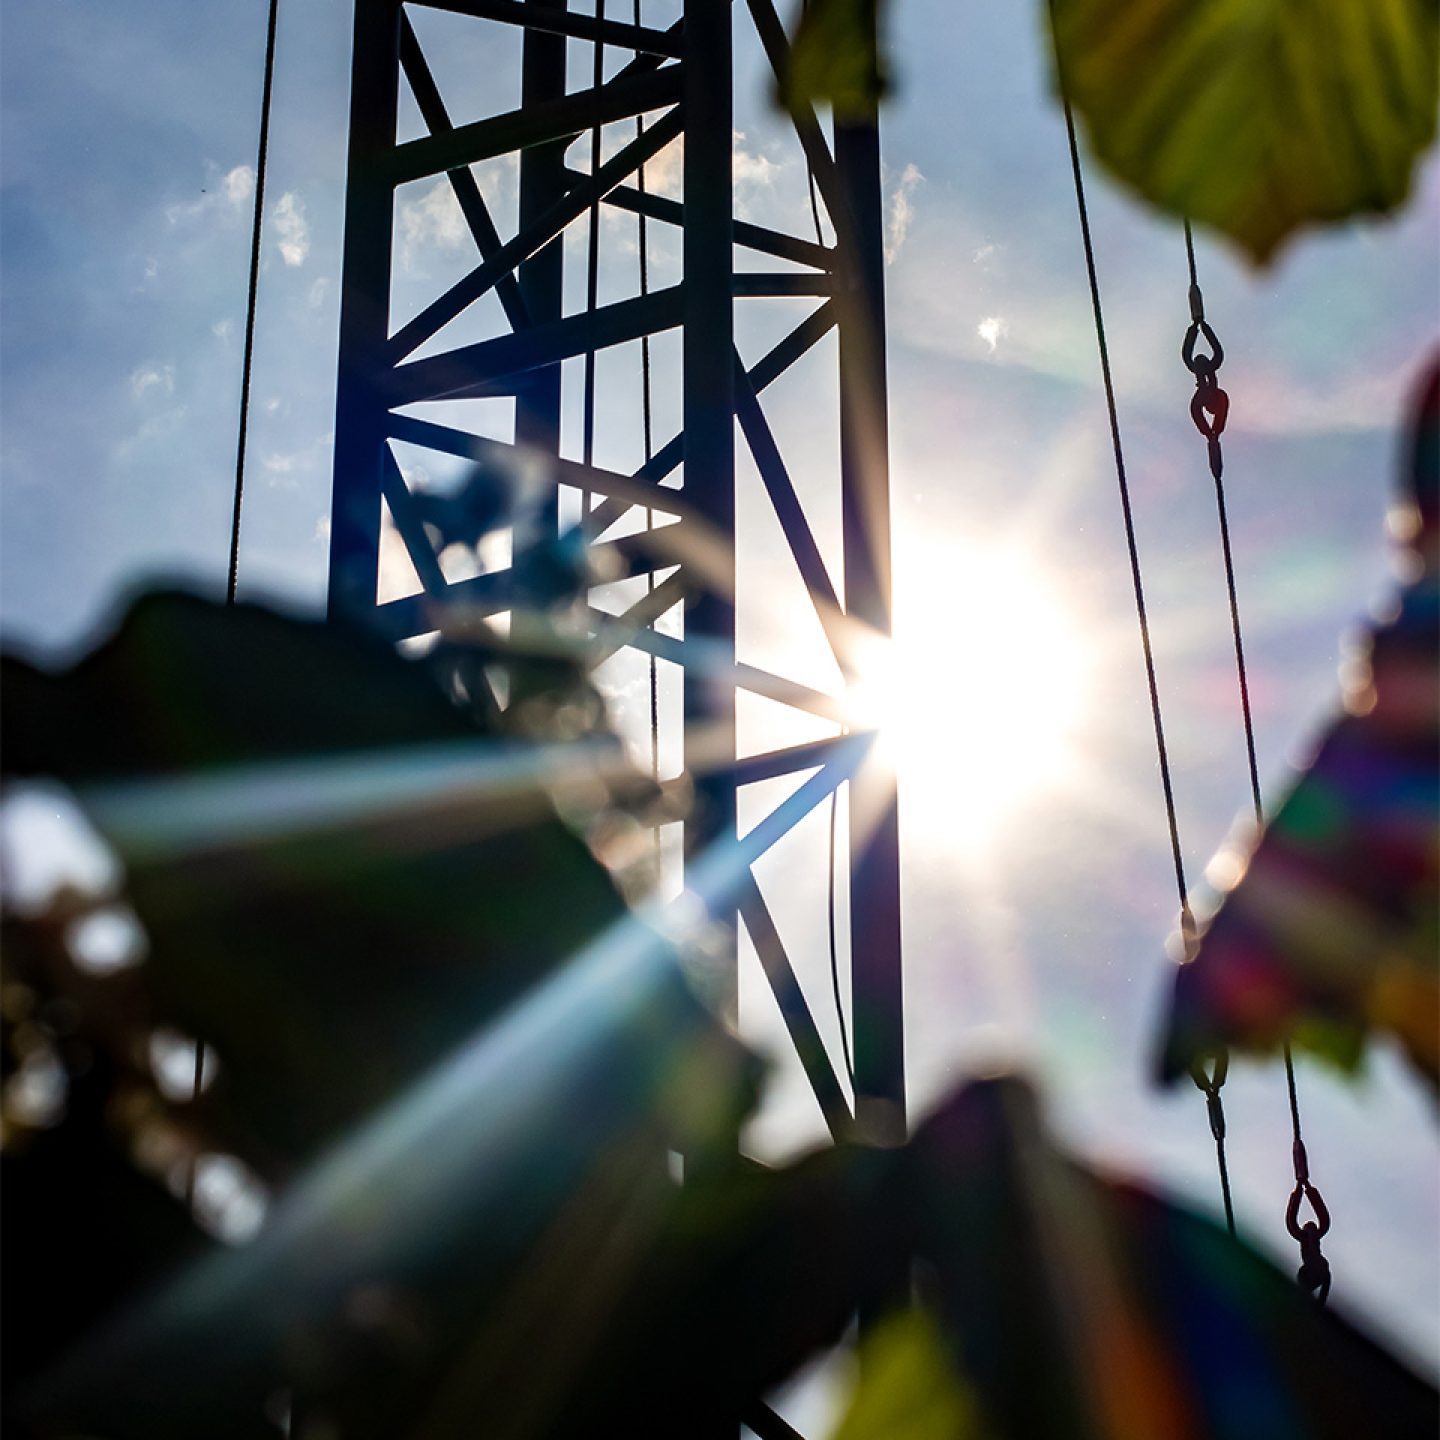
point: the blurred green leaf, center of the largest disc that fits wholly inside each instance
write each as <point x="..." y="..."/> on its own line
<point x="1256" y="117"/>
<point x="907" y="1388"/>
<point x="835" y="58"/>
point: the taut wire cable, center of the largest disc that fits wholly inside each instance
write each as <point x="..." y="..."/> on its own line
<point x="592" y="275"/>
<point x="249" y="351"/>
<point x="1212" y="1082"/>
<point x="1209" y="409"/>
<point x="246" y="363"/>
<point x="831" y="897"/>
<point x="834" y="948"/>
<point x="647" y="431"/>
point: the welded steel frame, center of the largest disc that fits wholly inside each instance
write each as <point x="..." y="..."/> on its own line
<point x="685" y="73"/>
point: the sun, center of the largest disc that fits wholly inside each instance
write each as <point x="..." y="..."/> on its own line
<point x="979" y="697"/>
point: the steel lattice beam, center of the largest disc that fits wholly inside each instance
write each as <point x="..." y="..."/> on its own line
<point x="681" y="79"/>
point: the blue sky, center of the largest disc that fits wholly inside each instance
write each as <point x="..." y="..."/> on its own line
<point x="127" y="137"/>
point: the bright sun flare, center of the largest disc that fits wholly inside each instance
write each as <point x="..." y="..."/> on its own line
<point x="979" y="696"/>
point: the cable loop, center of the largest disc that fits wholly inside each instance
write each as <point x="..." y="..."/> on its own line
<point x="1313" y="1276"/>
<point x="1303" y="1191"/>
<point x="1209" y="406"/>
<point x="1193" y="362"/>
<point x="1211" y="1083"/>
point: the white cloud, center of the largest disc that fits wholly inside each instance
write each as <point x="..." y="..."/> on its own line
<point x="900" y="211"/>
<point x="665" y="172"/>
<point x="159" y="379"/>
<point x="222" y="330"/>
<point x="291" y="228"/>
<point x="750" y="168"/>
<point x="225" y="195"/>
<point x="433" y="220"/>
<point x="284" y="467"/>
<point x="315" y="296"/>
<point x="992" y="329"/>
<point x="239" y="184"/>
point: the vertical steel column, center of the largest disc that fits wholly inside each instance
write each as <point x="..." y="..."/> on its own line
<point x="709" y="413"/>
<point x="542" y="277"/>
<point x="364" y="310"/>
<point x="875" y="969"/>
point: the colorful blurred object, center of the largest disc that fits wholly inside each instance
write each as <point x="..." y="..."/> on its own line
<point x="1332" y="926"/>
<point x="1084" y="1307"/>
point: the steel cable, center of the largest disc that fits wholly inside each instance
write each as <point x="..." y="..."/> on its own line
<point x="1210" y="410"/>
<point x="647" y="433"/>
<point x="249" y="351"/>
<point x="246" y="363"/>
<point x="1211" y="1083"/>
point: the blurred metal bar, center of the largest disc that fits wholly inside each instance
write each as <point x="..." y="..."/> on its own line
<point x="709" y="408"/>
<point x="875" y="969"/>
<point x="472" y="368"/>
<point x="561" y="22"/>
<point x="542" y="276"/>
<point x="751" y="236"/>
<point x="799" y="1022"/>
<point x="364" y="310"/>
<point x="553" y="121"/>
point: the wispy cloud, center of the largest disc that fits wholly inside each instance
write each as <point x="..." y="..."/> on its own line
<point x="900" y="211"/>
<point x="292" y="230"/>
<point x="152" y="379"/>
<point x="284" y="468"/>
<point x="433" y="220"/>
<point x="239" y="184"/>
<point x="752" y="170"/>
<point x="223" y="195"/>
<point x="750" y="167"/>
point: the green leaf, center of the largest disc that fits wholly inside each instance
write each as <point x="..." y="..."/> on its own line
<point x="1256" y="117"/>
<point x="835" y="58"/>
<point x="907" y="1388"/>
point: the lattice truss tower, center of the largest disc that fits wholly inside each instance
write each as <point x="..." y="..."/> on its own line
<point x="737" y="504"/>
